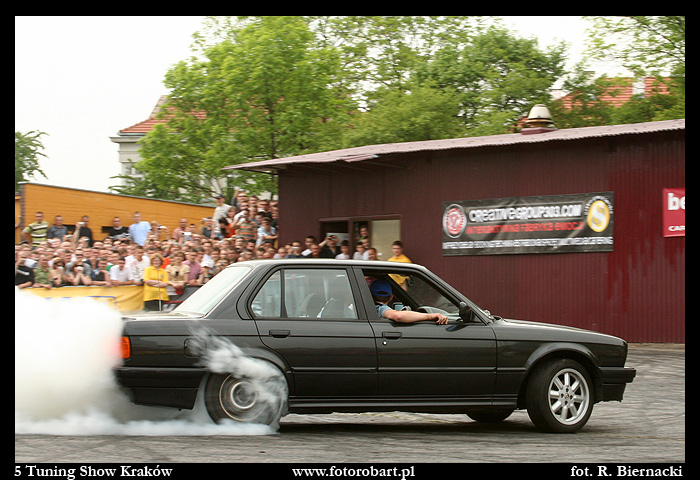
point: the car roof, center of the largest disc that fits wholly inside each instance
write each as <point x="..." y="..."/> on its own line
<point x="328" y="262"/>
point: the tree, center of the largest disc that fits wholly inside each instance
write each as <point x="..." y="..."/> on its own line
<point x="496" y="78"/>
<point x="265" y="94"/>
<point x="646" y="45"/>
<point x="420" y="113"/>
<point x="27" y="153"/>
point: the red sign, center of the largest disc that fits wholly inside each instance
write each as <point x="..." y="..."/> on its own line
<point x="674" y="212"/>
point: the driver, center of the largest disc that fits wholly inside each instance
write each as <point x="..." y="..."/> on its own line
<point x="382" y="294"/>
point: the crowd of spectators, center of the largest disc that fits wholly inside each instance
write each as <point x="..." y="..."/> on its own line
<point x="50" y="256"/>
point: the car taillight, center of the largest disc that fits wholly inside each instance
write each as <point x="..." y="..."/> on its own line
<point x="126" y="348"/>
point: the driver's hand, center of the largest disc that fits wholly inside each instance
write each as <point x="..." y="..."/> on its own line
<point x="441" y="319"/>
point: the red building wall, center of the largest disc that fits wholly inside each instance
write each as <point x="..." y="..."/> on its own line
<point x="636" y="292"/>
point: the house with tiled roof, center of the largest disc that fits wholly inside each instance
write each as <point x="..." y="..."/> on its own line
<point x="127" y="139"/>
<point x="621" y="90"/>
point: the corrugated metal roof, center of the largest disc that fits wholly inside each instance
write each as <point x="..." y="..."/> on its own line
<point x="358" y="154"/>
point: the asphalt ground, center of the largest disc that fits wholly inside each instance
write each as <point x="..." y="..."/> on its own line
<point x="648" y="426"/>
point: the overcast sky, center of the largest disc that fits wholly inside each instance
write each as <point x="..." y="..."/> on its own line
<point x="82" y="79"/>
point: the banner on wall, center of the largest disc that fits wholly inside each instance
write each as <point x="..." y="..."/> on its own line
<point x="126" y="299"/>
<point x="517" y="225"/>
<point x="674" y="212"/>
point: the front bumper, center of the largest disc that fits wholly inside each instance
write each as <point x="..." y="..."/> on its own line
<point x="614" y="380"/>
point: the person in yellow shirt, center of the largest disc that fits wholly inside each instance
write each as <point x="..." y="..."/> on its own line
<point x="397" y="250"/>
<point x="155" y="282"/>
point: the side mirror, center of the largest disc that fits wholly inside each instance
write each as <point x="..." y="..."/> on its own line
<point x="465" y="313"/>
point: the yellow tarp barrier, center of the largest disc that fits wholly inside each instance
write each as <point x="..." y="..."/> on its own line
<point x="126" y="299"/>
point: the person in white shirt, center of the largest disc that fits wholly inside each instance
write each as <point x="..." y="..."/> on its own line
<point x="139" y="230"/>
<point x="138" y="262"/>
<point x="221" y="211"/>
<point x="121" y="273"/>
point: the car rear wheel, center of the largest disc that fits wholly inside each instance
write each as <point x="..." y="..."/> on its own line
<point x="244" y="400"/>
<point x="560" y="396"/>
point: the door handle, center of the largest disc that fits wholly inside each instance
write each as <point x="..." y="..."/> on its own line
<point x="392" y="335"/>
<point x="280" y="333"/>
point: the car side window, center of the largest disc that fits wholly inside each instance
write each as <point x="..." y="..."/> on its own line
<point x="413" y="292"/>
<point x="266" y="303"/>
<point x="306" y="293"/>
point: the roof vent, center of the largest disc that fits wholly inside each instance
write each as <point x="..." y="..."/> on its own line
<point x="539" y="120"/>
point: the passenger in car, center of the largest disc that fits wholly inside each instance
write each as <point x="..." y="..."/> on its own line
<point x="382" y="295"/>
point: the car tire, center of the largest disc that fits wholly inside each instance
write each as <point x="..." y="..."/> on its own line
<point x="244" y="400"/>
<point x="489" y="416"/>
<point x="560" y="396"/>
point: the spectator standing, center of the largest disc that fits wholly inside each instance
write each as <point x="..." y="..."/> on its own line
<point x="77" y="275"/>
<point x="344" y="251"/>
<point x="36" y="232"/>
<point x="155" y="283"/>
<point x="220" y="211"/>
<point x="100" y="275"/>
<point x="265" y="209"/>
<point x="329" y="247"/>
<point x="397" y="251"/>
<point x="158" y="231"/>
<point x="266" y="232"/>
<point x="24" y="276"/>
<point x="43" y="273"/>
<point x="246" y="228"/>
<point x="138" y="263"/>
<point x="81" y="261"/>
<point x="118" y="231"/>
<point x="57" y="230"/>
<point x="139" y="230"/>
<point x="121" y="274"/>
<point x="207" y="227"/>
<point x="194" y="266"/>
<point x="83" y="231"/>
<point x="178" y="273"/>
<point x="294" y="250"/>
<point x="361" y="252"/>
<point x="308" y="241"/>
<point x="58" y="272"/>
<point x="315" y="251"/>
<point x="179" y="230"/>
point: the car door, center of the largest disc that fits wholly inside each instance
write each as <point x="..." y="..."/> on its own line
<point x="426" y="359"/>
<point x="309" y="316"/>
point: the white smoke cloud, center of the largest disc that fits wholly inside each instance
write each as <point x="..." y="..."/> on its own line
<point x="65" y="350"/>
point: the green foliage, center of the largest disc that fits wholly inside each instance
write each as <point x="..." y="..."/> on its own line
<point x="422" y="113"/>
<point x="277" y="86"/>
<point x="497" y="78"/>
<point x="27" y="153"/>
<point x="646" y="45"/>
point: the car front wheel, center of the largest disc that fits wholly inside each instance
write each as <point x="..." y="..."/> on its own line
<point x="560" y="396"/>
<point x="244" y="400"/>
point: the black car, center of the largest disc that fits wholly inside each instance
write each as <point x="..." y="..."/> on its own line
<point x="268" y="337"/>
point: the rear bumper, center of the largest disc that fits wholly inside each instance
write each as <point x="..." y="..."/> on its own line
<point x="165" y="387"/>
<point x="614" y="380"/>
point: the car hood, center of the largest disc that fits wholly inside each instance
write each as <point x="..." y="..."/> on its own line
<point x="520" y="330"/>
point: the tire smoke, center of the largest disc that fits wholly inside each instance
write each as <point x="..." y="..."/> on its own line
<point x="267" y="382"/>
<point x="65" y="350"/>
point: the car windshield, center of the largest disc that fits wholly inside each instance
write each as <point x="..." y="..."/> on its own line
<point x="209" y="295"/>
